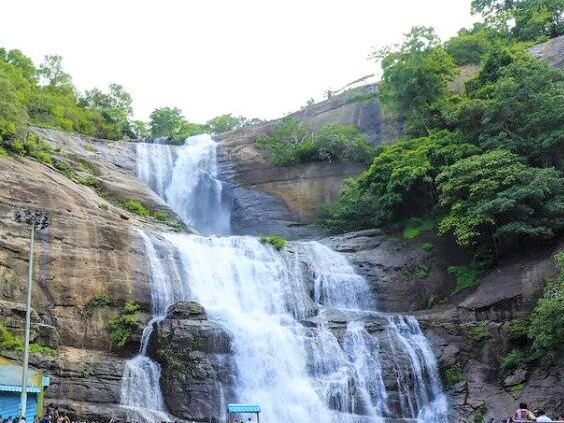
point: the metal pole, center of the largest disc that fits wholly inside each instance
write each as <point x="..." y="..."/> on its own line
<point x="23" y="405"/>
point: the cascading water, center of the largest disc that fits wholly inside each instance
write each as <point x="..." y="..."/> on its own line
<point x="188" y="181"/>
<point x="306" y="345"/>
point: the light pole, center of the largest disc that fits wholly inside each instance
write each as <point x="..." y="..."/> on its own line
<point x="37" y="219"/>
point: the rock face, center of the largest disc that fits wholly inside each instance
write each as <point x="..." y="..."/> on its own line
<point x="498" y="305"/>
<point x="194" y="354"/>
<point x="89" y="251"/>
<point x="283" y="199"/>
<point x="552" y="51"/>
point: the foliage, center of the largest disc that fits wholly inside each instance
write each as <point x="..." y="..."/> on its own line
<point x="495" y="198"/>
<point x="452" y="375"/>
<point x="121" y="327"/>
<point x="415" y="76"/>
<point x="532" y="18"/>
<point x="114" y="106"/>
<point x="399" y="173"/>
<point x="466" y="276"/>
<point x="226" y="123"/>
<point x="547" y="321"/>
<point x="517" y="330"/>
<point x="10" y="342"/>
<point x="98" y="301"/>
<point x="427" y="246"/>
<point x="517" y="390"/>
<point x="512" y="360"/>
<point x="46" y="97"/>
<point x="423" y="271"/>
<point x="479" y="333"/>
<point x="291" y="142"/>
<point x="170" y="122"/>
<point x="136" y="207"/>
<point x="416" y="226"/>
<point x="277" y="241"/>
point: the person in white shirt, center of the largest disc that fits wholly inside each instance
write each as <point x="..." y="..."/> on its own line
<point x="541" y="417"/>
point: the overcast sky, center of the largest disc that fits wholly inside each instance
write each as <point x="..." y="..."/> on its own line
<point x="260" y="58"/>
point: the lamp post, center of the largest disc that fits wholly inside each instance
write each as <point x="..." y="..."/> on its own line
<point x="36" y="219"/>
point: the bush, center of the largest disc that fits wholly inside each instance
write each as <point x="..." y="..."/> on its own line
<point x="161" y="215"/>
<point x="547" y="321"/>
<point x="17" y="147"/>
<point x="64" y="168"/>
<point x="479" y="333"/>
<point x="98" y="301"/>
<point x="136" y="207"/>
<point x="44" y="157"/>
<point x="291" y="143"/>
<point x="427" y="246"/>
<point x="423" y="271"/>
<point x="276" y="241"/>
<point x="466" y="276"/>
<point x="452" y="375"/>
<point x="415" y="227"/>
<point x="121" y="327"/>
<point x="518" y="330"/>
<point x="512" y="360"/>
<point x="10" y="342"/>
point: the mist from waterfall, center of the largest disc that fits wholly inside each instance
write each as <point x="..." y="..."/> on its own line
<point x="187" y="179"/>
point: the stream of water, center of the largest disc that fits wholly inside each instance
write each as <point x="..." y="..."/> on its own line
<point x="307" y="343"/>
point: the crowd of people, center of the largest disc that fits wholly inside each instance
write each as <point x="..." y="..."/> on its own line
<point x="523" y="414"/>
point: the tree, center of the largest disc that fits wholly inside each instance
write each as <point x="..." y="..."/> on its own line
<point x="533" y="18"/>
<point x="496" y="199"/>
<point x="12" y="112"/>
<point x="139" y="128"/>
<point x="547" y="321"/>
<point x="415" y="76"/>
<point x="224" y="123"/>
<point x="114" y="106"/>
<point x="521" y="102"/>
<point x="166" y="122"/>
<point x="52" y="73"/>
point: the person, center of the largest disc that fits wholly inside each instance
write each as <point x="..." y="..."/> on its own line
<point x="542" y="417"/>
<point x="523" y="413"/>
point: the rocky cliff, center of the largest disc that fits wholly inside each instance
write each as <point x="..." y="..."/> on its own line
<point x="283" y="199"/>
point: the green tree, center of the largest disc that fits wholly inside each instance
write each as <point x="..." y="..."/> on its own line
<point x="547" y="321"/>
<point x="533" y="18"/>
<point x="51" y="73"/>
<point x="493" y="198"/>
<point x="139" y="129"/>
<point x="415" y="77"/>
<point x="166" y="122"/>
<point x="224" y="123"/>
<point x="114" y="106"/>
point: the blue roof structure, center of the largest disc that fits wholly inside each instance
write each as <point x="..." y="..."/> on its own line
<point x="12" y="388"/>
<point x="243" y="408"/>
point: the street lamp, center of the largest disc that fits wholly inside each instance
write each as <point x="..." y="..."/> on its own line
<point x="37" y="219"/>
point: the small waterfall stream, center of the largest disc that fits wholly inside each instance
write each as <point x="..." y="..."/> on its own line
<point x="307" y="343"/>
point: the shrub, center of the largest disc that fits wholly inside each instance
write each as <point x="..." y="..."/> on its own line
<point x="479" y="333"/>
<point x="64" y="168"/>
<point x="517" y="330"/>
<point x="161" y="215"/>
<point x="547" y="321"/>
<point x="422" y="271"/>
<point x="136" y="207"/>
<point x="17" y="147"/>
<point x="276" y="241"/>
<point x="517" y="390"/>
<point x="121" y="327"/>
<point x="42" y="349"/>
<point x="427" y="246"/>
<point x="44" y="157"/>
<point x="466" y="276"/>
<point x="10" y="342"/>
<point x="416" y="226"/>
<point x="452" y="375"/>
<point x="512" y="360"/>
<point x="98" y="301"/>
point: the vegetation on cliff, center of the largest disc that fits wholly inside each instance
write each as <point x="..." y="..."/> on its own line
<point x="291" y="142"/>
<point x="485" y="163"/>
<point x="122" y="326"/>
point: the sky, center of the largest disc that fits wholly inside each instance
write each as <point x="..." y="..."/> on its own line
<point x="256" y="58"/>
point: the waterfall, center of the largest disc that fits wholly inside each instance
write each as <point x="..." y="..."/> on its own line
<point x="307" y="344"/>
<point x="188" y="182"/>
